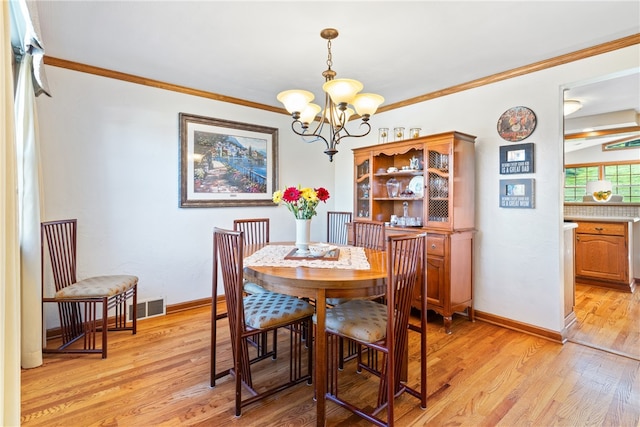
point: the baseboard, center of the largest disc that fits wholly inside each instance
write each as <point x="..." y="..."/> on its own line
<point x="520" y="327"/>
<point x="188" y="305"/>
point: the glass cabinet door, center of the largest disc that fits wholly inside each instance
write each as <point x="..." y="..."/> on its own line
<point x="362" y="192"/>
<point x="438" y="186"/>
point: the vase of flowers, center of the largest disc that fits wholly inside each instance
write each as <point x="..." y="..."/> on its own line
<point x="302" y="202"/>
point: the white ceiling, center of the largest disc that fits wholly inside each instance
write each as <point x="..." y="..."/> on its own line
<point x="399" y="49"/>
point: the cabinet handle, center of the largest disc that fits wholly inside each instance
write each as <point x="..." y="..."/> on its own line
<point x="599" y="228"/>
<point x="433" y="246"/>
<point x="578" y="238"/>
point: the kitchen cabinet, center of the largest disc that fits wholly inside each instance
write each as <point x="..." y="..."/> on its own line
<point x="603" y="253"/>
<point x="428" y="184"/>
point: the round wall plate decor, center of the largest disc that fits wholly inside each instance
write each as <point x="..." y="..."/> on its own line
<point x="516" y="124"/>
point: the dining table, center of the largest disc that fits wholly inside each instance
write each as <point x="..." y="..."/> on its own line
<point x="358" y="273"/>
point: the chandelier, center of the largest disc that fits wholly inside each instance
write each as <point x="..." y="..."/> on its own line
<point x="339" y="94"/>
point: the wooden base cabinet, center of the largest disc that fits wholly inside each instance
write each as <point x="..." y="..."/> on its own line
<point x="449" y="275"/>
<point x="603" y="254"/>
<point x="439" y="170"/>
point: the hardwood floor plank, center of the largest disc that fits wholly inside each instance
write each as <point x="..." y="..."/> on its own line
<point x="480" y="375"/>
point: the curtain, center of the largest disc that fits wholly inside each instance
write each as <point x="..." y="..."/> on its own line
<point x="27" y="153"/>
<point x="9" y="245"/>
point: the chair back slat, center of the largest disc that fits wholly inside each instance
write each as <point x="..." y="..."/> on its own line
<point x="256" y="230"/>
<point x="369" y="234"/>
<point x="337" y="230"/>
<point x="61" y="242"/>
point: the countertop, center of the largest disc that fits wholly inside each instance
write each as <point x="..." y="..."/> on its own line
<point x="602" y="218"/>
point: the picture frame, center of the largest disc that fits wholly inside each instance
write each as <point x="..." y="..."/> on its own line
<point x="517" y="158"/>
<point x="517" y="193"/>
<point x="225" y="163"/>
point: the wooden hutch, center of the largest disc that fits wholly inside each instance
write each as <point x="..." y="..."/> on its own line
<point x="435" y="177"/>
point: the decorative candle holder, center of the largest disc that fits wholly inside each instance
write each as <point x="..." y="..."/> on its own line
<point x="414" y="132"/>
<point x="398" y="134"/>
<point x="383" y="135"/>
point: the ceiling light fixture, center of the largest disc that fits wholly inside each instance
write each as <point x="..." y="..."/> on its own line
<point x="339" y="93"/>
<point x="571" y="106"/>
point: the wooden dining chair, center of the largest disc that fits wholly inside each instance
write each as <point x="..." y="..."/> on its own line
<point x="382" y="328"/>
<point x="337" y="230"/>
<point x="255" y="231"/>
<point x="366" y="234"/>
<point x="83" y="306"/>
<point x="252" y="315"/>
<point x="369" y="234"/>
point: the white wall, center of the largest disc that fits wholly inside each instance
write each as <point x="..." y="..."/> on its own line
<point x="110" y="158"/>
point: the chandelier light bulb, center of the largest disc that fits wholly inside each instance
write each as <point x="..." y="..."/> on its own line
<point x="308" y="115"/>
<point x="342" y="90"/>
<point x="366" y="104"/>
<point x="295" y="100"/>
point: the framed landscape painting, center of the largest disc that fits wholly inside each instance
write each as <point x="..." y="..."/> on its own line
<point x="226" y="163"/>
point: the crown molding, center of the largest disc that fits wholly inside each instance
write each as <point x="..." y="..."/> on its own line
<point x="516" y="72"/>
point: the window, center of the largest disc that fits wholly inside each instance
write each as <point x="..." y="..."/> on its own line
<point x="625" y="180"/>
<point x="624" y="177"/>
<point x="575" y="181"/>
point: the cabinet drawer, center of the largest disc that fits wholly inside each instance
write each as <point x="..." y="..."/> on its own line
<point x="608" y="228"/>
<point x="435" y="245"/>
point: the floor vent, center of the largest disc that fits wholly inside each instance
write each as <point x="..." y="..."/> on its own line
<point x="149" y="308"/>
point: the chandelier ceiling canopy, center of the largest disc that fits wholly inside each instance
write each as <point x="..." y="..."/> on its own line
<point x="340" y="96"/>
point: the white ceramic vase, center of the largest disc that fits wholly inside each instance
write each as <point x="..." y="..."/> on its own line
<point x="303" y="235"/>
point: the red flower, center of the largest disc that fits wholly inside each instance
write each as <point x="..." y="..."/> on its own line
<point x="322" y="193"/>
<point x="291" y="195"/>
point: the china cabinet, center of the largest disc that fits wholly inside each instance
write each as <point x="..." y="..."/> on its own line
<point x="426" y="184"/>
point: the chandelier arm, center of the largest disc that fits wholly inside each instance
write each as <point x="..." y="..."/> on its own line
<point x="315" y="135"/>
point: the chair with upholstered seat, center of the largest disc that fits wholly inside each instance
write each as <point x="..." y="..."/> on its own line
<point x="252" y="315"/>
<point x="369" y="234"/>
<point x="366" y="234"/>
<point x="383" y="328"/>
<point x="83" y="306"/>
<point x="255" y="232"/>
<point x="337" y="230"/>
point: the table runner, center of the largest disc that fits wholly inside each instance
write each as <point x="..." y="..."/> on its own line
<point x="350" y="258"/>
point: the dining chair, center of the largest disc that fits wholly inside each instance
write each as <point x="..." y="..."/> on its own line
<point x="83" y="306"/>
<point x="369" y="234"/>
<point x="337" y="230"/>
<point x="382" y="328"/>
<point x="255" y="231"/>
<point x="252" y="315"/>
<point x="366" y="234"/>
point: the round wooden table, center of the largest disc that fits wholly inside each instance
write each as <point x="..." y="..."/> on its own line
<point x="321" y="283"/>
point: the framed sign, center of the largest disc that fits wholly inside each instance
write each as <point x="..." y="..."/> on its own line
<point x="517" y="158"/>
<point x="225" y="163"/>
<point x="517" y="193"/>
<point x="516" y="124"/>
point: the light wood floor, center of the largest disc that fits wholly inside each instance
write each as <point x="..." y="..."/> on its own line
<point x="481" y="375"/>
<point x="607" y="319"/>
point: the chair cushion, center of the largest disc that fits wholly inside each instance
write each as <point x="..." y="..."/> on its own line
<point x="99" y="286"/>
<point x="269" y="309"/>
<point x="253" y="288"/>
<point x="363" y="320"/>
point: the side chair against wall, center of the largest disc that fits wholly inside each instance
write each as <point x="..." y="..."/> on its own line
<point x="383" y="328"/>
<point x="337" y="230"/>
<point x="83" y="305"/>
<point x="252" y="315"/>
